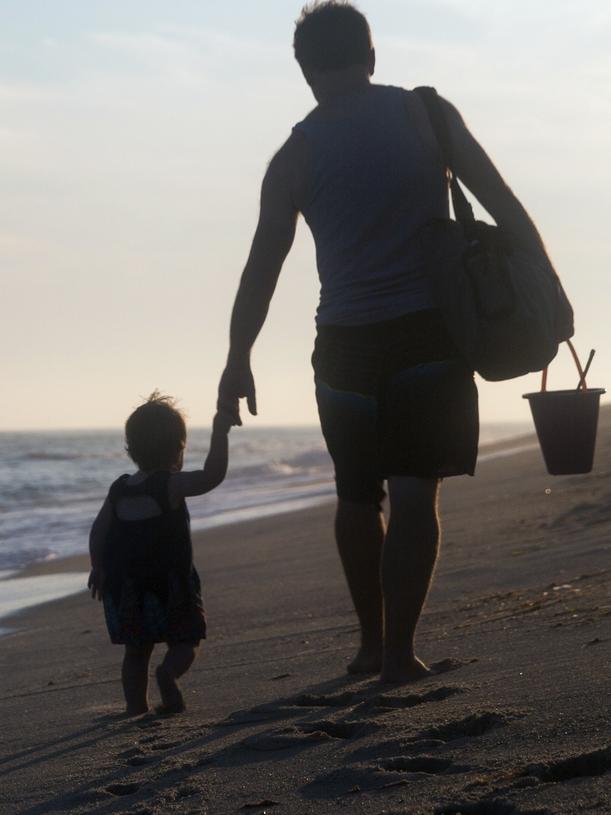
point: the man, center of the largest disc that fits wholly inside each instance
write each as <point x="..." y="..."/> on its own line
<point x="396" y="402"/>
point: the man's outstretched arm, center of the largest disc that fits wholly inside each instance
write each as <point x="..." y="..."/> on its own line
<point x="476" y="170"/>
<point x="271" y="244"/>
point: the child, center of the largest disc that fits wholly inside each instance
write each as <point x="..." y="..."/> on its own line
<point x="141" y="554"/>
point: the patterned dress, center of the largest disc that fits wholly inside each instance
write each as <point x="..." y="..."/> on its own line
<point x="152" y="591"/>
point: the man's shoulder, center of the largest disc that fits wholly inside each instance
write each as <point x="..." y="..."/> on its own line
<point x="311" y="116"/>
<point x="290" y="156"/>
<point x="288" y="168"/>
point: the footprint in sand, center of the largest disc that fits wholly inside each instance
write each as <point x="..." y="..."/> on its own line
<point x="141" y="811"/>
<point x="331" y="700"/>
<point x="385" y="702"/>
<point x="272" y="712"/>
<point x="186" y="791"/>
<point x="167" y="745"/>
<point x="308" y="734"/>
<point x="450" y="664"/>
<point x="580" y="765"/>
<point x="147" y="722"/>
<point x="393" y="772"/>
<point x="496" y="806"/>
<point x="141" y="761"/>
<point x="340" y="729"/>
<point x="261" y="713"/>
<point x="413" y="699"/>
<point x="379" y="703"/>
<point x="123" y="789"/>
<point x="284" y="740"/>
<point x="476" y="724"/>
<point x="441" y="735"/>
<point x="131" y="752"/>
<point x="89" y="797"/>
<point x="136" y="757"/>
<point x="430" y="765"/>
<point x="149" y="739"/>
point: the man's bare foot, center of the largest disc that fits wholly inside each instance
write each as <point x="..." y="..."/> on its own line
<point x="172" y="700"/>
<point x="136" y="710"/>
<point x="401" y="670"/>
<point x="367" y="661"/>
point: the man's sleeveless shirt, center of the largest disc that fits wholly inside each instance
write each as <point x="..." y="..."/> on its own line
<point x="374" y="182"/>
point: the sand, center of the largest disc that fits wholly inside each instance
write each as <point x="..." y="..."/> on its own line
<point x="516" y="722"/>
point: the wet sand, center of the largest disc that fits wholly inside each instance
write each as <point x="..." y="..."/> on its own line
<point x="515" y="722"/>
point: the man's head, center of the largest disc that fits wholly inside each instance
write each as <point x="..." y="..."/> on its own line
<point x="332" y="36"/>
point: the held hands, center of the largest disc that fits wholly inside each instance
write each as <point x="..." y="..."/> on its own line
<point x="236" y="383"/>
<point x="223" y="422"/>
<point x="96" y="581"/>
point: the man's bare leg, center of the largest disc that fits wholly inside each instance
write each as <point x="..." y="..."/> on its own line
<point x="408" y="561"/>
<point x="359" y="530"/>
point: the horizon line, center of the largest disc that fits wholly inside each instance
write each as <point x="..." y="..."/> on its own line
<point x="114" y="428"/>
<point x="270" y="426"/>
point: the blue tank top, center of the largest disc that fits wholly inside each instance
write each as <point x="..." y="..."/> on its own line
<point x="374" y="183"/>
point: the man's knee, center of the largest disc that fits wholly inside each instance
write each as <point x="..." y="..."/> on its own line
<point x="413" y="498"/>
<point x="358" y="509"/>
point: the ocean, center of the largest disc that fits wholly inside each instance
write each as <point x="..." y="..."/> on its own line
<point x="53" y="483"/>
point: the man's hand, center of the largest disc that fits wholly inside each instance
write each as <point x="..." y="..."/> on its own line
<point x="236" y="383"/>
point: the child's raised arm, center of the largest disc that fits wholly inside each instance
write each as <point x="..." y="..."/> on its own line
<point x="197" y="482"/>
<point x="97" y="542"/>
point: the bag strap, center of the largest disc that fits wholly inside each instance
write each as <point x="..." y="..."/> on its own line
<point x="430" y="99"/>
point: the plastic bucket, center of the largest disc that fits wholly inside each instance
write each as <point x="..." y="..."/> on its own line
<point x="566" y="423"/>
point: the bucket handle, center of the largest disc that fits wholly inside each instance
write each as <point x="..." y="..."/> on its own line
<point x="582" y="374"/>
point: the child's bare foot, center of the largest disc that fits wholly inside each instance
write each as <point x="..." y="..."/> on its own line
<point x="172" y="700"/>
<point x="401" y="669"/>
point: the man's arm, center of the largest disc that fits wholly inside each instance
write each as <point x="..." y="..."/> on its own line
<point x="473" y="166"/>
<point x="270" y="246"/>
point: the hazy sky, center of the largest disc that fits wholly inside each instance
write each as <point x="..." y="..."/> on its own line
<point x="133" y="137"/>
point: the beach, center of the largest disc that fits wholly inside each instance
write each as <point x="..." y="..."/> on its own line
<point x="515" y="720"/>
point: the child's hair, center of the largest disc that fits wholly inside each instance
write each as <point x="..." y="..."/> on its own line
<point x="155" y="433"/>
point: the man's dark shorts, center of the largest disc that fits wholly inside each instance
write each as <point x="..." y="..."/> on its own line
<point x="394" y="399"/>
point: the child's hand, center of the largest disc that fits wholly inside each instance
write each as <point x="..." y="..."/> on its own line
<point x="223" y="421"/>
<point x="96" y="581"/>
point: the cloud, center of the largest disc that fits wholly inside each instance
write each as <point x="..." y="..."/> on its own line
<point x="427" y="21"/>
<point x="21" y="91"/>
<point x="193" y="55"/>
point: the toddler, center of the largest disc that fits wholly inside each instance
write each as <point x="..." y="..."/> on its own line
<point x="141" y="553"/>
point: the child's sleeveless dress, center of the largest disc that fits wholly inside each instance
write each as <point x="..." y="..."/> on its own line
<point x="152" y="592"/>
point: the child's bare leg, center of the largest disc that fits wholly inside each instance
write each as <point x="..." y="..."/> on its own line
<point x="135" y="677"/>
<point x="177" y="661"/>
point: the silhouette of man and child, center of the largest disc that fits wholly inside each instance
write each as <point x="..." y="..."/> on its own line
<point x="397" y="404"/>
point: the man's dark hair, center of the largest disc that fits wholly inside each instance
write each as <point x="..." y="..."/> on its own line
<point x="330" y="36"/>
<point x="155" y="433"/>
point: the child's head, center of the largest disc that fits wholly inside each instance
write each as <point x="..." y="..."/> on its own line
<point x="156" y="434"/>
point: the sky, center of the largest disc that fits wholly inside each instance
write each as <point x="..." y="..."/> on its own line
<point x="133" y="138"/>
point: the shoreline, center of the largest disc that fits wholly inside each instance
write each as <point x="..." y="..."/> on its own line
<point x="53" y="579"/>
<point x="73" y="562"/>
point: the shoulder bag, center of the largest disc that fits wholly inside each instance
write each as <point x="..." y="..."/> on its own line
<point x="504" y="306"/>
